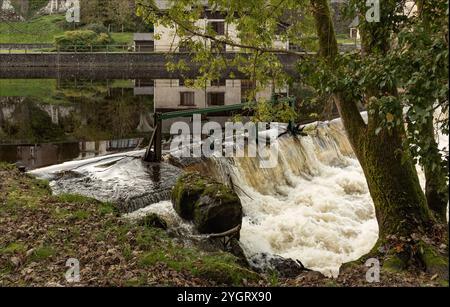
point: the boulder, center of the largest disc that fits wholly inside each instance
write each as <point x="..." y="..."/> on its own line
<point x="187" y="192"/>
<point x="212" y="206"/>
<point x="285" y="267"/>
<point x="218" y="210"/>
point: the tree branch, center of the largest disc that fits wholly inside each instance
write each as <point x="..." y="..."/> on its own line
<point x="228" y="42"/>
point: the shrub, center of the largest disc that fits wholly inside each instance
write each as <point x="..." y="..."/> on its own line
<point x="82" y="40"/>
<point x="96" y="27"/>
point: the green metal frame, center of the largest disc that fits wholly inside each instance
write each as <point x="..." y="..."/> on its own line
<point x="217" y="109"/>
<point x="156" y="138"/>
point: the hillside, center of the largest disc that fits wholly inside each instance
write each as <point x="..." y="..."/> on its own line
<point x="43" y="29"/>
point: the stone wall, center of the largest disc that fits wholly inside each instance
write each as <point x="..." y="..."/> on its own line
<point x="98" y="59"/>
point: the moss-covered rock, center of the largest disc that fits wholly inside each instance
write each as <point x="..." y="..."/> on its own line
<point x="187" y="192"/>
<point x="219" y="209"/>
<point x="434" y="262"/>
<point x="212" y="206"/>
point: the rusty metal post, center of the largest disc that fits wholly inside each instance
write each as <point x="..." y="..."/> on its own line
<point x="155" y="142"/>
<point x="158" y="138"/>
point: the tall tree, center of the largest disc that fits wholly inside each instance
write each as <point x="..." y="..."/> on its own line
<point x="426" y="85"/>
<point x="381" y="146"/>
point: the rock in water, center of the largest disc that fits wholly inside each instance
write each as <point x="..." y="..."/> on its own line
<point x="212" y="206"/>
<point x="187" y="192"/>
<point x="218" y="210"/>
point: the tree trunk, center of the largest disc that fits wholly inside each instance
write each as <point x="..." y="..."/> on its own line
<point x="399" y="201"/>
<point x="436" y="187"/>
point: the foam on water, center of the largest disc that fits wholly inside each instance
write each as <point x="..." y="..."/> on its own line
<point x="314" y="206"/>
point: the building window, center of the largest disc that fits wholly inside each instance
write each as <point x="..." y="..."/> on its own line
<point x="217" y="26"/>
<point x="187" y="98"/>
<point x="219" y="82"/>
<point x="144" y="46"/>
<point x="295" y="47"/>
<point x="145" y="82"/>
<point x="216" y="99"/>
<point x="353" y="33"/>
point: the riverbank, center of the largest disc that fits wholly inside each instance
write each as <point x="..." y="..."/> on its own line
<point x="40" y="232"/>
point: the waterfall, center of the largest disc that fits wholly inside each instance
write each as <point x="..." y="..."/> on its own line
<point x="314" y="206"/>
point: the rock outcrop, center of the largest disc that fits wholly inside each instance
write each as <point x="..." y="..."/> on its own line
<point x="212" y="206"/>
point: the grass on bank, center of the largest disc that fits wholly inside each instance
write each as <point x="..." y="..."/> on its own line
<point x="42" y="30"/>
<point x="346" y="40"/>
<point x="27" y="87"/>
<point x="40" y="232"/>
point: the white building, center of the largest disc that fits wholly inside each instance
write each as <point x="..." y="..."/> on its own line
<point x="409" y="10"/>
<point x="166" y="39"/>
<point x="172" y="94"/>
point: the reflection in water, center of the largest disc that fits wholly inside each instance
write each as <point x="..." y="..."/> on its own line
<point x="41" y="155"/>
<point x="51" y="121"/>
<point x="46" y="122"/>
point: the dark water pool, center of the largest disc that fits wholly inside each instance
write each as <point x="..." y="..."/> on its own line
<point x="48" y="121"/>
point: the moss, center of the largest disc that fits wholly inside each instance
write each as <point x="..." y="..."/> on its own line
<point x="107" y="208"/>
<point x="219" y="209"/>
<point x="43" y="253"/>
<point x="13" y="248"/>
<point x="394" y="264"/>
<point x="80" y="215"/>
<point x="220" y="267"/>
<point x="221" y="191"/>
<point x="76" y="199"/>
<point x="434" y="262"/>
<point x="186" y="192"/>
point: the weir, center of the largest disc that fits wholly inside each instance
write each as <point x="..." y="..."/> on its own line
<point x="155" y="155"/>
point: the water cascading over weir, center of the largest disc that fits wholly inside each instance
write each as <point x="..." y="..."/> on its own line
<point x="314" y="206"/>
